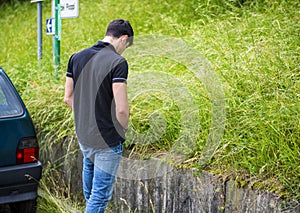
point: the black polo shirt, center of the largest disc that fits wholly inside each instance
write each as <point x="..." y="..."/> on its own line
<point x="94" y="70"/>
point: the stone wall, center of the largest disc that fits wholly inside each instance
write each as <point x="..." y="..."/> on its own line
<point x="174" y="191"/>
<point x="181" y="191"/>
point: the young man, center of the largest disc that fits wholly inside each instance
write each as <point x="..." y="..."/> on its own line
<point x="96" y="91"/>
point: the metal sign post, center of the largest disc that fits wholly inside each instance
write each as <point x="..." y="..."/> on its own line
<point x="60" y="9"/>
<point x="56" y="37"/>
<point x="39" y="28"/>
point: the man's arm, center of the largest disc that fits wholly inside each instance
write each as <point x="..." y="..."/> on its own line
<point x="69" y="92"/>
<point x="122" y="106"/>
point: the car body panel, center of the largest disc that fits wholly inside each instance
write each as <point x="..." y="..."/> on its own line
<point x="21" y="127"/>
<point x="18" y="182"/>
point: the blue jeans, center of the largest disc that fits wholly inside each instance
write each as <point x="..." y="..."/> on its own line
<point x="99" y="170"/>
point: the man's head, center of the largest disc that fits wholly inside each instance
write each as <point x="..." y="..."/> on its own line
<point x="120" y="30"/>
<point x="120" y="27"/>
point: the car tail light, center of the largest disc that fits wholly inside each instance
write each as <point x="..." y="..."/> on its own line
<point x="28" y="150"/>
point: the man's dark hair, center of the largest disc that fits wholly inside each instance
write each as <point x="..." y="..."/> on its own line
<point x="120" y="27"/>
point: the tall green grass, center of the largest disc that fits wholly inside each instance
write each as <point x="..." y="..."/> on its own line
<point x="253" y="46"/>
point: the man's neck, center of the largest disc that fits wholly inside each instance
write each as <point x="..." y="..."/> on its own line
<point x="108" y="39"/>
<point x="113" y="41"/>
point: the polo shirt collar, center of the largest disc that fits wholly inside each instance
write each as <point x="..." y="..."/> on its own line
<point x="101" y="44"/>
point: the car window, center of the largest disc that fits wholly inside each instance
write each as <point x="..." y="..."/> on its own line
<point x="9" y="103"/>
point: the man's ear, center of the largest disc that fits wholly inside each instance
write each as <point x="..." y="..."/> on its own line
<point x="124" y="38"/>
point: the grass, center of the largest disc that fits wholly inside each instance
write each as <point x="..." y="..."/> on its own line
<point x="253" y="48"/>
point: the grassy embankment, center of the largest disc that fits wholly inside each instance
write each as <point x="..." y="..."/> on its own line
<point x="253" y="48"/>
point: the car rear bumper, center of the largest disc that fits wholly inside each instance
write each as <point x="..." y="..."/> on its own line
<point x="19" y="182"/>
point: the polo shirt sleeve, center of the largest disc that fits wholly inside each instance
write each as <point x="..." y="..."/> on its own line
<point x="70" y="67"/>
<point x="120" y="72"/>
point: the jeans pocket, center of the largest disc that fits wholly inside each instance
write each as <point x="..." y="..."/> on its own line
<point x="108" y="154"/>
<point x="118" y="149"/>
<point x="108" y="160"/>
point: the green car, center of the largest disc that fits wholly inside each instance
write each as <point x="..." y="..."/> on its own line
<point x="20" y="169"/>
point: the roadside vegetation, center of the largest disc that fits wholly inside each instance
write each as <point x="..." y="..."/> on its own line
<point x="252" y="46"/>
